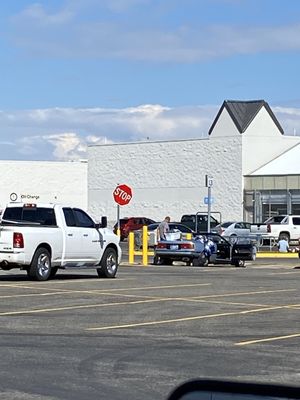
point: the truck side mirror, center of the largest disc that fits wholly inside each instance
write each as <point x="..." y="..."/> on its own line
<point x="103" y="222"/>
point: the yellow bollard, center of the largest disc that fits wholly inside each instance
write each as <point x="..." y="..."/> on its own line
<point x="145" y="245"/>
<point x="188" y="236"/>
<point x="131" y="247"/>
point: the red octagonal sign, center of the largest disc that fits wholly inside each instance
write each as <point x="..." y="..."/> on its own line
<point x="122" y="194"/>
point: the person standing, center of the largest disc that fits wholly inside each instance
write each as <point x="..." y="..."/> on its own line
<point x="163" y="228"/>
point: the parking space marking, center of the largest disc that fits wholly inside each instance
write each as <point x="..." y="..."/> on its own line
<point x="146" y="299"/>
<point x="47" y="283"/>
<point x="175" y="320"/>
<point x="182" y="319"/>
<point x="285" y="273"/>
<point x="76" y="307"/>
<point x="270" y="339"/>
<point x="245" y="293"/>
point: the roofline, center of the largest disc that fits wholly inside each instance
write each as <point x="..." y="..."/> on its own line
<point x="148" y="142"/>
<point x="273" y="159"/>
<point x="263" y="104"/>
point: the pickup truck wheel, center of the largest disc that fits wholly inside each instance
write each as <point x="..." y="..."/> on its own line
<point x="109" y="264"/>
<point x="284" y="235"/>
<point x="40" y="268"/>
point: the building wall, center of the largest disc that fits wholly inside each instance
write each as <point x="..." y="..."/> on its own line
<point x="262" y="142"/>
<point x="167" y="178"/>
<point x="225" y="126"/>
<point x="44" y="181"/>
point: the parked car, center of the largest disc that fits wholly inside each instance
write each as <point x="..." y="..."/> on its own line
<point x="233" y="229"/>
<point x="152" y="233"/>
<point x="199" y="222"/>
<point x="202" y="250"/>
<point x="131" y="224"/>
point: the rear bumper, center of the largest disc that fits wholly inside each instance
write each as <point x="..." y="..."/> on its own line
<point x="11" y="258"/>
<point x="176" y="255"/>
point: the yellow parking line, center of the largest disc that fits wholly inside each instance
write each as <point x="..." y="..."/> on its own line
<point x="245" y="293"/>
<point x="160" y="287"/>
<point x="270" y="339"/>
<point x="76" y="307"/>
<point x="167" y="321"/>
<point x="183" y="319"/>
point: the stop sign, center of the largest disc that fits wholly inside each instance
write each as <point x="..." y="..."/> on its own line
<point x="122" y="194"/>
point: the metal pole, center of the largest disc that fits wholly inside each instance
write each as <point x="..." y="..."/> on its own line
<point x="118" y="220"/>
<point x="208" y="208"/>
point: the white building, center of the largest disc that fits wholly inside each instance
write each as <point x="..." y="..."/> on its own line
<point x="168" y="177"/>
<point x="43" y="181"/>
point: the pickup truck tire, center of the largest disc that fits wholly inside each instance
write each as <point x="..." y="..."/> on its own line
<point x="108" y="264"/>
<point x="40" y="267"/>
<point x="284" y="235"/>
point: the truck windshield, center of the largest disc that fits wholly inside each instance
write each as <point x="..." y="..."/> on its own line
<point x="38" y="215"/>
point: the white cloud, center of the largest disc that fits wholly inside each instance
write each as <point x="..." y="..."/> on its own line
<point x="65" y="133"/>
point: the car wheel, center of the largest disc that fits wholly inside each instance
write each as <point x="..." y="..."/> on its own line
<point x="156" y="260"/>
<point x="240" y="263"/>
<point x="201" y="261"/>
<point x="108" y="264"/>
<point x="40" y="267"/>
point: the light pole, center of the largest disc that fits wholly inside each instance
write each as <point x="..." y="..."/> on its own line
<point x="208" y="184"/>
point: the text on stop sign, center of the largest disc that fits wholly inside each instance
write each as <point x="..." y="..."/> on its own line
<point x="122" y="194"/>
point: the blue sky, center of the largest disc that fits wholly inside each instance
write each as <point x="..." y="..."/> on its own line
<point x="76" y="72"/>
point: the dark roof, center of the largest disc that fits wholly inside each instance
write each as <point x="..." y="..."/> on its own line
<point x="243" y="113"/>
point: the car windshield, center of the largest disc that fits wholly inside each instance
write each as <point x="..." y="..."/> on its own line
<point x="226" y="224"/>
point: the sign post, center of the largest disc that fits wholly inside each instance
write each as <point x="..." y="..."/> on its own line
<point x="122" y="196"/>
<point x="208" y="184"/>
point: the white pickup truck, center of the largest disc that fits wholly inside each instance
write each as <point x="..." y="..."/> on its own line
<point x="41" y="238"/>
<point x="279" y="226"/>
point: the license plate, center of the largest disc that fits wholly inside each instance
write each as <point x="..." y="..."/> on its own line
<point x="173" y="246"/>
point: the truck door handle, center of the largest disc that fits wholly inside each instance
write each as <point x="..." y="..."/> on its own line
<point x="86" y="234"/>
<point x="70" y="234"/>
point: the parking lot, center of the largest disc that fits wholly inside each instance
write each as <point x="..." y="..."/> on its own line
<point x="141" y="334"/>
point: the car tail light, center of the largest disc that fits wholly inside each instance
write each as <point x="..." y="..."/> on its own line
<point x="269" y="228"/>
<point x="187" y="246"/>
<point x="18" y="241"/>
<point x="162" y="245"/>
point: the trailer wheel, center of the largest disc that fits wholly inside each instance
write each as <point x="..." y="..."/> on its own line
<point x="40" y="267"/>
<point x="108" y="264"/>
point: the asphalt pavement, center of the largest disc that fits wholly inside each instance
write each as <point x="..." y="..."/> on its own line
<point x="151" y="328"/>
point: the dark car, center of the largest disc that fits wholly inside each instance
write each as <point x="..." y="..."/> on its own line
<point x="131" y="224"/>
<point x="199" y="222"/>
<point x="210" y="248"/>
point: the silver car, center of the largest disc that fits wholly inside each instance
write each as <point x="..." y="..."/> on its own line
<point x="175" y="227"/>
<point x="233" y="229"/>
